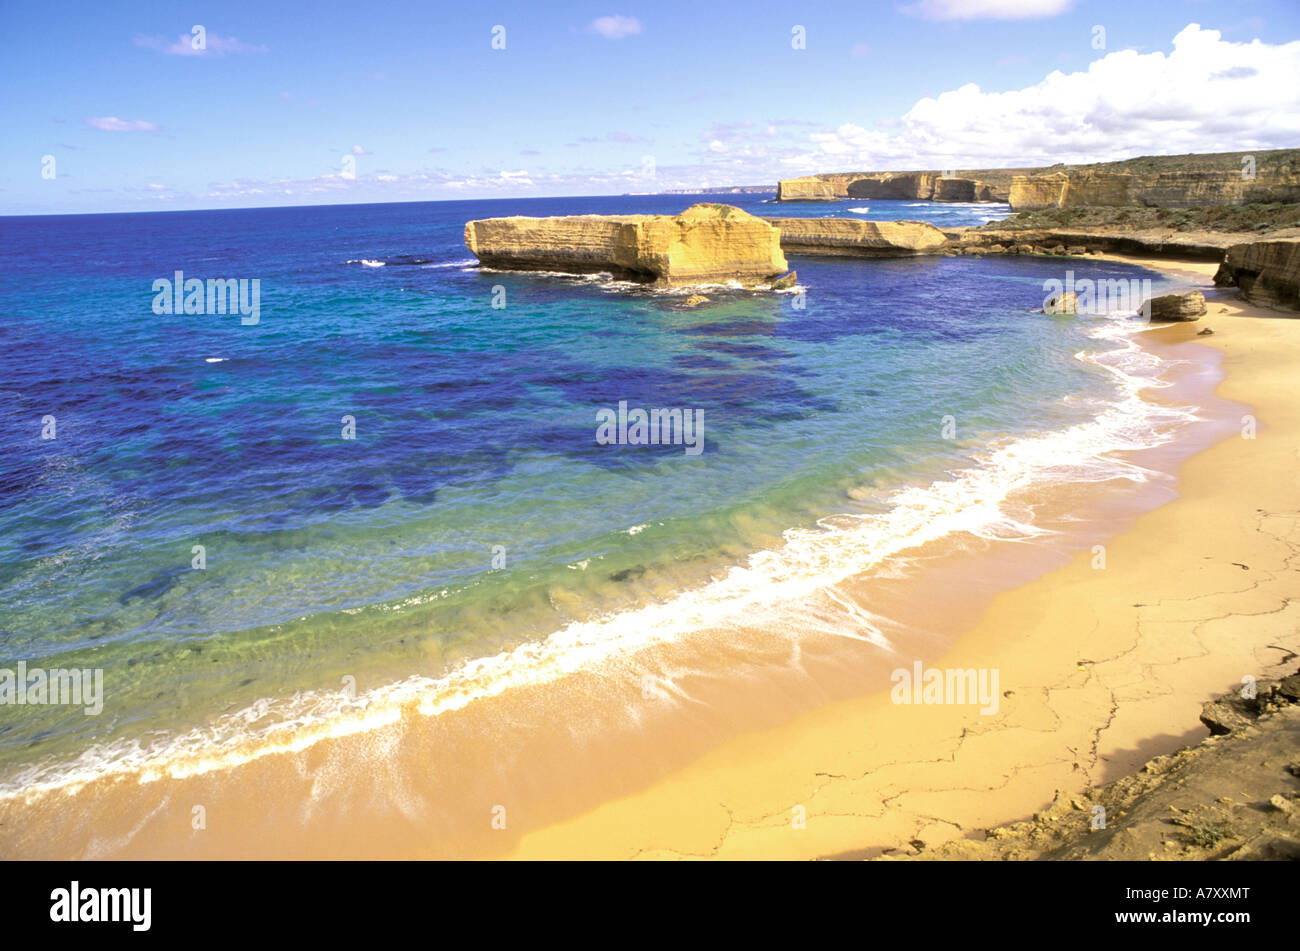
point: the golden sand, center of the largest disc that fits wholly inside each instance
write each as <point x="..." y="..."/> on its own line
<point x="1101" y="669"/>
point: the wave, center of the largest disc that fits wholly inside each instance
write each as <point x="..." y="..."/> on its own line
<point x="411" y="260"/>
<point x="861" y="210"/>
<point x="975" y="501"/>
<point x="608" y="282"/>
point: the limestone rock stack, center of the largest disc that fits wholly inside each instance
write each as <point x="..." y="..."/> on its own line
<point x="705" y="243"/>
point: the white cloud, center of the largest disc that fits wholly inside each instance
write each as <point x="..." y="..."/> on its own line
<point x="1207" y="95"/>
<point x="986" y="9"/>
<point x="358" y="150"/>
<point x="213" y="45"/>
<point x="114" y="124"/>
<point x="615" y="27"/>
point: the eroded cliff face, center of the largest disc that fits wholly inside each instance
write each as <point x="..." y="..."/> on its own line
<point x="844" y="236"/>
<point x="1183" y="189"/>
<point x="810" y="189"/>
<point x="1267" y="272"/>
<point x="705" y="243"/>
<point x="974" y="185"/>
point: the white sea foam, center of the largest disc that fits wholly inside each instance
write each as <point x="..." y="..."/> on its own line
<point x="610" y="284"/>
<point x="804" y="568"/>
<point x="861" y="210"/>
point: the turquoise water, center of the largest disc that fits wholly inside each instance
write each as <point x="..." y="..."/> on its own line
<point x="474" y="513"/>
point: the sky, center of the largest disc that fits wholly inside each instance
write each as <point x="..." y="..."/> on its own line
<point x="139" y="106"/>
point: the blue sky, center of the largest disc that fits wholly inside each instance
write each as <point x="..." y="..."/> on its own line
<point x="601" y="98"/>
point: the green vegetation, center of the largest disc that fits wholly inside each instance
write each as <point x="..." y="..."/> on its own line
<point x="1205" y="835"/>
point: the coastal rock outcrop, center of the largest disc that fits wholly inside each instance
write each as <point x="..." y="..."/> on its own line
<point x="1155" y="242"/>
<point x="705" y="243"/>
<point x="1166" y="181"/>
<point x="1145" y="184"/>
<point x="1266" y="272"/>
<point x="965" y="185"/>
<point x="1066" y="302"/>
<point x="1233" y="796"/>
<point x="851" y="236"/>
<point x="1169" y="308"/>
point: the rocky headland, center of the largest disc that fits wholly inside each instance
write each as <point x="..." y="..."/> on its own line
<point x="1170" y="181"/>
<point x="969" y="185"/>
<point x="1177" y="181"/>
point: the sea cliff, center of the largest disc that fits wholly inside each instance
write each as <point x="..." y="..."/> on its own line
<point x="1266" y="272"/>
<point x="968" y="185"/>
<point x="1167" y="181"/>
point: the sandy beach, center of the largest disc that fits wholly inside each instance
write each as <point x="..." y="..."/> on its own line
<point x="779" y="738"/>
<point x="1100" y="669"/>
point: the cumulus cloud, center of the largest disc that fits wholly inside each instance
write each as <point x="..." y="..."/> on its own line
<point x="114" y="124"/>
<point x="358" y="150"/>
<point x="213" y="45"/>
<point x="615" y="27"/>
<point x="1206" y="95"/>
<point x="986" y="9"/>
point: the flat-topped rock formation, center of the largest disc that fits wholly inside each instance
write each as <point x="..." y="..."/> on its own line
<point x="706" y="243"/>
<point x="930" y="185"/>
<point x="850" y="236"/>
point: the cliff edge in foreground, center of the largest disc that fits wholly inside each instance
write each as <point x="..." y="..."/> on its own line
<point x="706" y="243"/>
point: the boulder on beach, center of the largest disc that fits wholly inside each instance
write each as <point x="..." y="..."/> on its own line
<point x="1170" y="308"/>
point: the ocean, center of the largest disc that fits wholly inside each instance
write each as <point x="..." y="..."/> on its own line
<point x="387" y="491"/>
